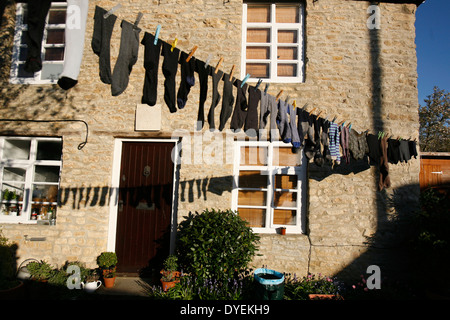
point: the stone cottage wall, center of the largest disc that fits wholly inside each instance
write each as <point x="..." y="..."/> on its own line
<point x="360" y="75"/>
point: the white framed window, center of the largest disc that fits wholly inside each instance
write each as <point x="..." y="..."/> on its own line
<point x="29" y="178"/>
<point x="272" y="41"/>
<point x="268" y="186"/>
<point x="53" y="44"/>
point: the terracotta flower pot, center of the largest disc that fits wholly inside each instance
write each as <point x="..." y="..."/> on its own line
<point x="109" y="282"/>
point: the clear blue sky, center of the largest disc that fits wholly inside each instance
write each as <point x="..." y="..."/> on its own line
<point x="433" y="46"/>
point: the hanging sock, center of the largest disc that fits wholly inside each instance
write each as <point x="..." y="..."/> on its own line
<point x="333" y="135"/>
<point x="227" y="101"/>
<point x="128" y="55"/>
<point x="37" y="12"/>
<point x="101" y="42"/>
<point x="152" y="53"/>
<point x="203" y="72"/>
<point x="240" y="107"/>
<point x="283" y="122"/>
<point x="169" y="69"/>
<point x="187" y="79"/>
<point x="295" y="140"/>
<point x="251" y="121"/>
<point x="216" y="77"/>
<point x="74" y="34"/>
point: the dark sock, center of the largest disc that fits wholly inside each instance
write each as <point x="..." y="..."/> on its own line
<point x="240" y="107"/>
<point x="216" y="77"/>
<point x="203" y="77"/>
<point x="169" y="69"/>
<point x="66" y="83"/>
<point x="187" y="79"/>
<point x="227" y="101"/>
<point x="151" y="64"/>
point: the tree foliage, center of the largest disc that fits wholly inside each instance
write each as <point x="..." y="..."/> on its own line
<point x="434" y="119"/>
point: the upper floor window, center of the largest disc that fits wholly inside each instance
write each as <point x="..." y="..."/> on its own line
<point x="268" y="186"/>
<point x="29" y="178"/>
<point x="53" y="43"/>
<point x="273" y="41"/>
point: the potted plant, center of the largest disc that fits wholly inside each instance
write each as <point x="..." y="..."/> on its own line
<point x="170" y="273"/>
<point x="107" y="262"/>
<point x="40" y="270"/>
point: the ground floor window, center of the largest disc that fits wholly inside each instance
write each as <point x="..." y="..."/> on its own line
<point x="29" y="178"/>
<point x="268" y="186"/>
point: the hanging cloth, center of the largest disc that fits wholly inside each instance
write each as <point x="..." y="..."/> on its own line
<point x="152" y="53"/>
<point x="203" y="70"/>
<point x="187" y="79"/>
<point x="169" y="70"/>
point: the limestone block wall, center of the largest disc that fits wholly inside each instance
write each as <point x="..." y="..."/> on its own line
<point x="360" y="75"/>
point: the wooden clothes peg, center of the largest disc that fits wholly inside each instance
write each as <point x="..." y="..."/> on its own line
<point x="191" y="54"/>
<point x="232" y="71"/>
<point x="279" y="95"/>
<point x="218" y="65"/>
<point x="312" y="110"/>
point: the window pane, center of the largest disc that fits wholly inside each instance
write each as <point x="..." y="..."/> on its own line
<point x="258" y="13"/>
<point x="252" y="179"/>
<point x="255" y="217"/>
<point x="287" y="70"/>
<point x="51" y="71"/>
<point x="256" y="156"/>
<point x="12" y="191"/>
<point x="46" y="174"/>
<point x="55" y="36"/>
<point x="57" y="16"/>
<point x="252" y="198"/>
<point x="16" y="149"/>
<point x="285" y="199"/>
<point x="54" y="54"/>
<point x="285" y="217"/>
<point x="258" y="53"/>
<point x="49" y="150"/>
<point x="287" y="53"/>
<point x="258" y="35"/>
<point x="284" y="181"/>
<point x="258" y="70"/>
<point x="14" y="174"/>
<point x="287" y="36"/>
<point x="45" y="193"/>
<point x="283" y="156"/>
<point x="287" y="14"/>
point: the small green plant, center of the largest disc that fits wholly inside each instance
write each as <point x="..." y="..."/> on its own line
<point x="215" y="244"/>
<point x="107" y="261"/>
<point x="7" y="263"/>
<point x="40" y="270"/>
<point x="300" y="288"/>
<point x="170" y="269"/>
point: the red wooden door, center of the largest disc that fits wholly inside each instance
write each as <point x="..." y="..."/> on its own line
<point x="145" y="205"/>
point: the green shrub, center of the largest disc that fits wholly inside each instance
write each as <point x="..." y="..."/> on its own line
<point x="107" y="260"/>
<point x="40" y="270"/>
<point x="215" y="244"/>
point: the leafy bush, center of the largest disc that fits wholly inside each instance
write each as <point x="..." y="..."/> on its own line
<point x="215" y="244"/>
<point x="40" y="270"/>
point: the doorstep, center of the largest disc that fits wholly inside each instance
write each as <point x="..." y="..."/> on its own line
<point x="126" y="286"/>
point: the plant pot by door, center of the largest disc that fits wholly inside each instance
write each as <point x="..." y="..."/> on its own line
<point x="166" y="285"/>
<point x="109" y="282"/>
<point x="283" y="230"/>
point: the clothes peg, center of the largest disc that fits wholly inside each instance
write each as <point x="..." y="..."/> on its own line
<point x="218" y="65"/>
<point x="259" y="82"/>
<point x="294" y="104"/>
<point x="267" y="87"/>
<point x="174" y="44"/>
<point x="245" y="79"/>
<point x="231" y="72"/>
<point x="279" y="95"/>
<point x="111" y="11"/>
<point x="191" y="54"/>
<point x="138" y="19"/>
<point x="319" y="115"/>
<point x="313" y="109"/>
<point x="158" y="29"/>
<point x="208" y="60"/>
